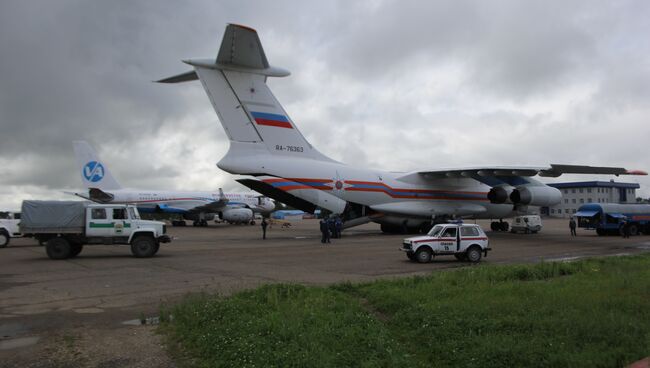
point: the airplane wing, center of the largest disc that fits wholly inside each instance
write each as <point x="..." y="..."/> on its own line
<point x="553" y="170"/>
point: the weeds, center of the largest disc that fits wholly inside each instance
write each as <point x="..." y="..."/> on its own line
<point x="588" y="313"/>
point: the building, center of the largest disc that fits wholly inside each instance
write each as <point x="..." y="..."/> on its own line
<point x="576" y="194"/>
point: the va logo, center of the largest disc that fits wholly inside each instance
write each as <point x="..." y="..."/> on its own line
<point x="93" y="171"/>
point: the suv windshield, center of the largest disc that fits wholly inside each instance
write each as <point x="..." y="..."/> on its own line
<point x="435" y="231"/>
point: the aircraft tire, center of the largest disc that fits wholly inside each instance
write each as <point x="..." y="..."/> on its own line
<point x="474" y="254"/>
<point x="423" y="255"/>
<point x="143" y="246"/>
<point x="58" y="248"/>
<point x="4" y="239"/>
<point x="494" y="226"/>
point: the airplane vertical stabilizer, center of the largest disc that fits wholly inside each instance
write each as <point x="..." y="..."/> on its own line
<point x="252" y="117"/>
<point x="94" y="173"/>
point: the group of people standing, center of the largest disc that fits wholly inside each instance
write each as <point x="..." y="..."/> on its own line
<point x="330" y="228"/>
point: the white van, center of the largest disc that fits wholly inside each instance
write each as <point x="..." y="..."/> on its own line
<point x="527" y="224"/>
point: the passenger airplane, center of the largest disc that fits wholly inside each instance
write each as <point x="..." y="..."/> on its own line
<point x="199" y="207"/>
<point x="266" y="143"/>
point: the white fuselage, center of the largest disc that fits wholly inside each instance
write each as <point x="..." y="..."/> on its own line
<point x="188" y="201"/>
<point x="315" y="180"/>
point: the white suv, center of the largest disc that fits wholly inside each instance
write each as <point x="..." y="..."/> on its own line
<point x="467" y="242"/>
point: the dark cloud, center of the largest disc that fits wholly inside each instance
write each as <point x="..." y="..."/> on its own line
<point x="379" y="83"/>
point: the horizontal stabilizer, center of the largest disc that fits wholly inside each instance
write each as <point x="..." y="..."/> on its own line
<point x="184" y="77"/>
<point x="98" y="195"/>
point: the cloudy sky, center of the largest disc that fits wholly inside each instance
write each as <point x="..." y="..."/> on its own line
<point x="398" y="85"/>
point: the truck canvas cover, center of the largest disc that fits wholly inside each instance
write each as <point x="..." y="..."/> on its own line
<point x="53" y="216"/>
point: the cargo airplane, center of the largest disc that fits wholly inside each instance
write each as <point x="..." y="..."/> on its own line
<point x="266" y="143"/>
<point x="198" y="207"/>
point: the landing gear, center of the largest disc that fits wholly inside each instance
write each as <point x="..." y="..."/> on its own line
<point x="200" y="223"/>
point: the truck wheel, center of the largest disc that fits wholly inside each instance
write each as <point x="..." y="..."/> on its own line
<point x="633" y="230"/>
<point x="4" y="239"/>
<point x="423" y="255"/>
<point x="58" y="248"/>
<point x="75" y="250"/>
<point x="474" y="254"/>
<point x="143" y="246"/>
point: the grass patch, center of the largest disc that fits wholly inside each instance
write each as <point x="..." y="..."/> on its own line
<point x="593" y="313"/>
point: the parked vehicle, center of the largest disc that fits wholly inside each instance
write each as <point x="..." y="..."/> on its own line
<point x="467" y="242"/>
<point x="607" y="218"/>
<point x="527" y="224"/>
<point x="66" y="226"/>
<point x="9" y="228"/>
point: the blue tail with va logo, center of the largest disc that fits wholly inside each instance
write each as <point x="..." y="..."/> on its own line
<point x="94" y="173"/>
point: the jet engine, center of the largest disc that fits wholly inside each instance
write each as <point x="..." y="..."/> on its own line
<point x="500" y="194"/>
<point x="237" y="215"/>
<point x="536" y="196"/>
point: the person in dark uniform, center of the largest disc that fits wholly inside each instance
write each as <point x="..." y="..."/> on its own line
<point x="325" y="231"/>
<point x="572" y="226"/>
<point x="626" y="228"/>
<point x="338" y="225"/>
<point x="264" y="225"/>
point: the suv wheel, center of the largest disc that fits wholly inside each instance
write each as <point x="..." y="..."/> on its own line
<point x="4" y="239"/>
<point x="474" y="254"/>
<point x="423" y="255"/>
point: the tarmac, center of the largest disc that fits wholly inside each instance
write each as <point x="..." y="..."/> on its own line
<point x="84" y="312"/>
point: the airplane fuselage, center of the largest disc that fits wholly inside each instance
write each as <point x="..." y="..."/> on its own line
<point x="187" y="201"/>
<point x="316" y="181"/>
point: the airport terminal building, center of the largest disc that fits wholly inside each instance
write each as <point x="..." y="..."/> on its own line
<point x="576" y="194"/>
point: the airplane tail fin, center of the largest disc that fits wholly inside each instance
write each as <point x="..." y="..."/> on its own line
<point x="94" y="173"/>
<point x="252" y="117"/>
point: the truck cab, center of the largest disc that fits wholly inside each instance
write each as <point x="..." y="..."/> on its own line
<point x="9" y="227"/>
<point x="464" y="241"/>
